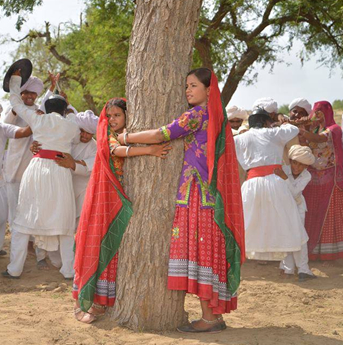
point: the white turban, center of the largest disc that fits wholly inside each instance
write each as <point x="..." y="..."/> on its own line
<point x="88" y="121"/>
<point x="267" y="103"/>
<point x="33" y="84"/>
<point x="234" y="111"/>
<point x="302" y="103"/>
<point x="301" y="154"/>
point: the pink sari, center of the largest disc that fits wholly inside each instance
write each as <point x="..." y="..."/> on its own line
<point x="324" y="197"/>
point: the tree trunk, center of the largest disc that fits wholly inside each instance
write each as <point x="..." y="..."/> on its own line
<point x="237" y="73"/>
<point x="159" y="59"/>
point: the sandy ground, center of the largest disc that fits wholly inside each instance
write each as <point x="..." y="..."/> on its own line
<point x="37" y="309"/>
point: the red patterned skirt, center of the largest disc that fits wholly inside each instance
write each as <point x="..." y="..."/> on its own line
<point x="105" y="292"/>
<point x="330" y="245"/>
<point x="324" y="217"/>
<point x="197" y="262"/>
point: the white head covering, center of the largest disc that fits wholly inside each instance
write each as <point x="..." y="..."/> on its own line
<point x="302" y="103"/>
<point x="87" y="121"/>
<point x="301" y="154"/>
<point x="33" y="84"/>
<point x="1" y="108"/>
<point x="266" y="103"/>
<point x="234" y="111"/>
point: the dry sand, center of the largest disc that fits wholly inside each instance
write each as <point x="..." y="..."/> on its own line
<point x="37" y="309"/>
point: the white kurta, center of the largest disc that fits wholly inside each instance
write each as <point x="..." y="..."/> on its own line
<point x="297" y="259"/>
<point x="296" y="186"/>
<point x="46" y="204"/>
<point x="85" y="152"/>
<point x="6" y="132"/>
<point x="17" y="160"/>
<point x="272" y="222"/>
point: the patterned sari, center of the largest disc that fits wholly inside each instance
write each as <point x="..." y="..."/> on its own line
<point x="105" y="215"/>
<point x="324" y="194"/>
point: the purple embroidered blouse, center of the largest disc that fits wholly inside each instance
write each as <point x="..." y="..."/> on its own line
<point x="193" y="126"/>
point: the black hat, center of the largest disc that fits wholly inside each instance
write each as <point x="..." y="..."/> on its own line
<point x="55" y="103"/>
<point x="260" y="111"/>
<point x="25" y="66"/>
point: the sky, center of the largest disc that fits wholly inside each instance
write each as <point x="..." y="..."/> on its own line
<point x="284" y="84"/>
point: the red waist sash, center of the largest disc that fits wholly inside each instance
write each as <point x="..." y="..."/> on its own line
<point x="47" y="154"/>
<point x="262" y="171"/>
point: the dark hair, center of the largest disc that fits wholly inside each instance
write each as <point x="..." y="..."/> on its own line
<point x="259" y="120"/>
<point x="56" y="104"/>
<point x="203" y="74"/>
<point x="117" y="102"/>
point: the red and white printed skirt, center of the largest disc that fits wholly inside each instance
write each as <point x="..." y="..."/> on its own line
<point x="197" y="262"/>
<point x="105" y="290"/>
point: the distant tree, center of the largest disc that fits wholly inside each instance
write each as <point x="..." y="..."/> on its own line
<point x="283" y="109"/>
<point x="338" y="104"/>
<point x="19" y="7"/>
<point x="235" y="35"/>
<point x="91" y="56"/>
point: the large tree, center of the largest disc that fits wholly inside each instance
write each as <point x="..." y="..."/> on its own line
<point x="160" y="56"/>
<point x="235" y="35"/>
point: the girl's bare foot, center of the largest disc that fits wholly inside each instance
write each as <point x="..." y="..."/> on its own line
<point x="83" y="316"/>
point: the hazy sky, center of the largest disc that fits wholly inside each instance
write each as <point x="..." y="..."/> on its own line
<point x="284" y="84"/>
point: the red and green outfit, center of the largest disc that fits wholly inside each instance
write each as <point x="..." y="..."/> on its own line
<point x="105" y="215"/>
<point x="207" y="244"/>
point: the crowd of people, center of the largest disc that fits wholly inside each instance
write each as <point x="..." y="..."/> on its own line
<point x="263" y="186"/>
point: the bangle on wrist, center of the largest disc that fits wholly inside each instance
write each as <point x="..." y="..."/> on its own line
<point x="127" y="150"/>
<point x="126" y="134"/>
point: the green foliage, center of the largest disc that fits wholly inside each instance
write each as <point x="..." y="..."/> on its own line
<point x="10" y="7"/>
<point x="96" y="53"/>
<point x="337" y="104"/>
<point x="232" y="38"/>
<point x="243" y="33"/>
<point x="283" y="109"/>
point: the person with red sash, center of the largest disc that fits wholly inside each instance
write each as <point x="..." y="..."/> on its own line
<point x="207" y="244"/>
<point x="105" y="215"/>
<point x="273" y="225"/>
<point x="46" y="207"/>
<point x="324" y="194"/>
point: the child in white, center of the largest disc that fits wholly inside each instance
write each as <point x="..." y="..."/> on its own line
<point x="297" y="178"/>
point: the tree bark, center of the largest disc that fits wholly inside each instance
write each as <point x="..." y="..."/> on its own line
<point x="237" y="73"/>
<point x="159" y="59"/>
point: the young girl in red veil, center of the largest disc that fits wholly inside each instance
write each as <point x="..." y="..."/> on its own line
<point x="105" y="215"/>
<point x="207" y="244"/>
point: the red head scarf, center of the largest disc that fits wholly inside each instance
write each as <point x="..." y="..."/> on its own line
<point x="224" y="183"/>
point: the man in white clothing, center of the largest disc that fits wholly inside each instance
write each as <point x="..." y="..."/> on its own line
<point x="80" y="162"/>
<point x="46" y="207"/>
<point x="18" y="154"/>
<point x="7" y="132"/>
<point x="272" y="222"/>
<point x="298" y="108"/>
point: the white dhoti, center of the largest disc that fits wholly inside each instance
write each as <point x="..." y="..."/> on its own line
<point x="46" y="206"/>
<point x="272" y="222"/>
<point x="12" y="189"/>
<point x="297" y="259"/>
<point x="19" y="243"/>
<point x="3" y="214"/>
